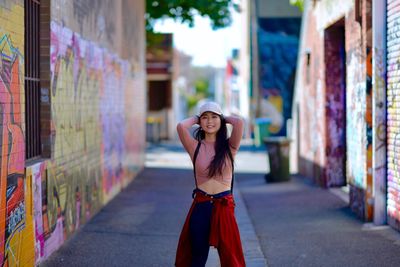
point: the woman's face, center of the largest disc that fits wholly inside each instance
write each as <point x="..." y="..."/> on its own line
<point x="210" y="122"/>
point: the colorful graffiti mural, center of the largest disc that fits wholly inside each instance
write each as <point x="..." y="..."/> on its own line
<point x="368" y="118"/>
<point x="15" y="222"/>
<point x="87" y="169"/>
<point x="379" y="134"/>
<point x="36" y="174"/>
<point x="393" y="119"/>
<point x="379" y="113"/>
<point x="97" y="102"/>
<point x="335" y="83"/>
<point x="112" y="114"/>
<point x="359" y="121"/>
<point x="362" y="126"/>
<point x="278" y="42"/>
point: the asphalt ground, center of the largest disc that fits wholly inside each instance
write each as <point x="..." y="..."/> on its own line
<point x="299" y="224"/>
<point x="141" y="226"/>
<point x="293" y="223"/>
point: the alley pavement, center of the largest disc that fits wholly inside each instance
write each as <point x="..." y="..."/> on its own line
<point x="282" y="224"/>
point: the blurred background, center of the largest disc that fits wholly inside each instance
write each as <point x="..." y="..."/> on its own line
<point x="248" y="66"/>
<point x="89" y="88"/>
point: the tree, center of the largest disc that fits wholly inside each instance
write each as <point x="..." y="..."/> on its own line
<point x="298" y="3"/>
<point x="201" y="86"/>
<point x="184" y="11"/>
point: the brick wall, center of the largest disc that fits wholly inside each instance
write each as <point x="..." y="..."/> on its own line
<point x="359" y="109"/>
<point x="16" y="227"/>
<point x="318" y="97"/>
<point x="393" y="111"/>
<point x="356" y="135"/>
<point x="92" y="106"/>
<point x="308" y="69"/>
<point x="96" y="99"/>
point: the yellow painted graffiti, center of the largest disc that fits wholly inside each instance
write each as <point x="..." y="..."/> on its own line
<point x="16" y="225"/>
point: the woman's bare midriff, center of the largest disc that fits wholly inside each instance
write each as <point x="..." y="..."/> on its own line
<point x="213" y="187"/>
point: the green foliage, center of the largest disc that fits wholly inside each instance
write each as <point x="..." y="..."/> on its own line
<point x="183" y="11"/>
<point x="298" y="3"/>
<point x="154" y="39"/>
<point x="191" y="101"/>
<point x="201" y="86"/>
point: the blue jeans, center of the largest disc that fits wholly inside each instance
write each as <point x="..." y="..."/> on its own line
<point x="199" y="225"/>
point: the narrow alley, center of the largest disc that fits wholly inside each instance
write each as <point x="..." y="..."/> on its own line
<point x="92" y="92"/>
<point x="292" y="223"/>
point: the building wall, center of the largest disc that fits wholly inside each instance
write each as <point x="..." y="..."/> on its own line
<point x="356" y="138"/>
<point x="359" y="110"/>
<point x="16" y="227"/>
<point x="318" y="120"/>
<point x="310" y="92"/>
<point x="97" y="100"/>
<point x="379" y="107"/>
<point x="278" y="41"/>
<point x="393" y="111"/>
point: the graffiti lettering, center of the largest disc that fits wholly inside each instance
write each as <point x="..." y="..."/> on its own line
<point x="16" y="216"/>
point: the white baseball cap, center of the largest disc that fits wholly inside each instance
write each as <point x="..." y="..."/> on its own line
<point x="210" y="106"/>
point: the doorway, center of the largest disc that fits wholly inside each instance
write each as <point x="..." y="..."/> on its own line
<point x="335" y="109"/>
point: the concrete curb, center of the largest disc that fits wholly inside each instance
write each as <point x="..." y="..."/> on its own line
<point x="251" y="245"/>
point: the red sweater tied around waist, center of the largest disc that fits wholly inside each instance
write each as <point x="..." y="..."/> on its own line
<point x="224" y="233"/>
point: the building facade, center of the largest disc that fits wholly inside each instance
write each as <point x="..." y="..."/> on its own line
<point x="72" y="95"/>
<point x="346" y="103"/>
<point x="160" y="100"/>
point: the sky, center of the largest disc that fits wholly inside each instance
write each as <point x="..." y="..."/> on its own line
<point x="207" y="47"/>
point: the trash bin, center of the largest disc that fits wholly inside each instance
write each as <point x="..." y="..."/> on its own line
<point x="278" y="155"/>
<point x="261" y="130"/>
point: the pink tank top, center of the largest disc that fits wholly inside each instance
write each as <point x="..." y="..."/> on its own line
<point x="207" y="150"/>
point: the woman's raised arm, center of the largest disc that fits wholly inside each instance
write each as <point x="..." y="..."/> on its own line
<point x="237" y="131"/>
<point x="183" y="129"/>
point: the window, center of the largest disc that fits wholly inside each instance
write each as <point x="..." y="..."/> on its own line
<point x="32" y="79"/>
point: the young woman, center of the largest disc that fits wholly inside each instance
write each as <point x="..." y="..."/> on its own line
<point x="211" y="220"/>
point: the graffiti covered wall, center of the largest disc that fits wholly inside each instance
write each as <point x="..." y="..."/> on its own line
<point x="322" y="118"/>
<point x="16" y="227"/>
<point x="379" y="149"/>
<point x="335" y="82"/>
<point x="278" y="45"/>
<point x="97" y="97"/>
<point x="348" y="115"/>
<point x="359" y="110"/>
<point x="356" y="135"/>
<point x="92" y="92"/>
<point x="393" y="118"/>
<point x="97" y="101"/>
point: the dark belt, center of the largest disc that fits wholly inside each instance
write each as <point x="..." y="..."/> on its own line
<point x="218" y="195"/>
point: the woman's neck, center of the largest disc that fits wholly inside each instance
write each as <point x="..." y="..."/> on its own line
<point x="210" y="137"/>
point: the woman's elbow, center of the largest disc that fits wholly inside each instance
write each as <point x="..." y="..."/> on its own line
<point x="238" y="121"/>
<point x="179" y="126"/>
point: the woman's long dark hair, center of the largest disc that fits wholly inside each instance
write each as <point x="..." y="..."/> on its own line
<point x="222" y="149"/>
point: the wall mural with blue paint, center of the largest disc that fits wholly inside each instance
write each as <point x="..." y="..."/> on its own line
<point x="278" y="41"/>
